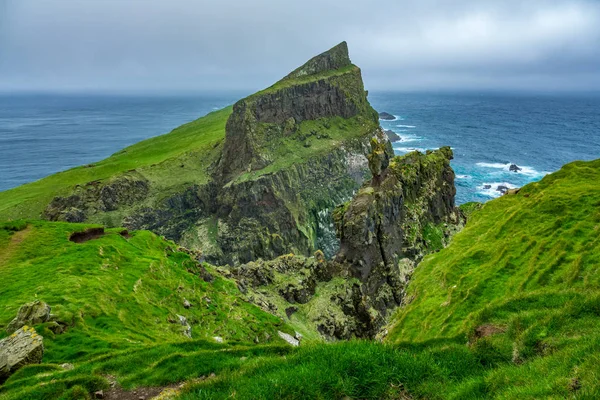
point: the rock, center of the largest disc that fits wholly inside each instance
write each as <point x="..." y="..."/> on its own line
<point x="186" y="304"/>
<point x="218" y="339"/>
<point x="67" y="366"/>
<point x="184" y="322"/>
<point x="386" y="116"/>
<point x="415" y="193"/>
<point x="514" y="168"/>
<point x="99" y="394"/>
<point x="33" y="313"/>
<point x="392" y="136"/>
<point x="487" y="187"/>
<point x="289" y="338"/>
<point x="379" y="159"/>
<point x="502" y="189"/>
<point x="298" y="336"/>
<point x="21" y="348"/>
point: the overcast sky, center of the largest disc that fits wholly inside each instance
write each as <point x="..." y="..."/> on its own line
<point x="196" y="45"/>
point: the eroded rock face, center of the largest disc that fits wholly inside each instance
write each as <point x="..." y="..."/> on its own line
<point x="406" y="211"/>
<point x="33" y="313"/>
<point x="96" y="197"/>
<point x="21" y="348"/>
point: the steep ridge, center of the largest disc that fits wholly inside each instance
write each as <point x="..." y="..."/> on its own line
<point x="404" y="212"/>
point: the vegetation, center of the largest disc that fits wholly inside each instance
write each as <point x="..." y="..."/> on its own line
<point x="509" y="310"/>
<point x="159" y="159"/>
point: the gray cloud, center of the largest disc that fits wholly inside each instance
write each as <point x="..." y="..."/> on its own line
<point x="154" y="45"/>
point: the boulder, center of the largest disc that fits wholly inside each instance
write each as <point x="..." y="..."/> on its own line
<point x="392" y="136"/>
<point x="487" y="186"/>
<point x="514" y="168"/>
<point x="502" y="189"/>
<point x="33" y="313"/>
<point x="386" y="116"/>
<point x="22" y="348"/>
<point x="289" y="338"/>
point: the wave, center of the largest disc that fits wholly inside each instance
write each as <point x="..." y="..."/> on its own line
<point x="490" y="189"/>
<point x="528" y="171"/>
<point x="409" y="149"/>
<point x="406" y="126"/>
<point x="410" y="138"/>
<point x="464" y="177"/>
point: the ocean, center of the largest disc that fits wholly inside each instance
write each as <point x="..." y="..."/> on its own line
<point x="44" y="134"/>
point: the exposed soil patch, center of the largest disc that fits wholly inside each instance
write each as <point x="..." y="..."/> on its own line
<point x="488" y="330"/>
<point x="142" y="393"/>
<point x="125" y="233"/>
<point x="88" y="234"/>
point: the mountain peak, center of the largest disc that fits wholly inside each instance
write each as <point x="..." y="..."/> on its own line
<point x="334" y="58"/>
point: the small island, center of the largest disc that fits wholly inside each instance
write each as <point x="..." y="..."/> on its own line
<point x="386" y="116"/>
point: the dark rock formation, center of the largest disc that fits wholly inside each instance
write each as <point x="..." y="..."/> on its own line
<point x="406" y="211"/>
<point x="393" y="222"/>
<point x="502" y="189"/>
<point x="386" y="116"/>
<point x="392" y="136"/>
<point x="514" y="168"/>
<point x="21" y="348"/>
<point x="256" y="203"/>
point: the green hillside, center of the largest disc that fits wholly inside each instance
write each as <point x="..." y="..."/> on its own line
<point x="509" y="310"/>
<point x="159" y="159"/>
<point x="521" y="285"/>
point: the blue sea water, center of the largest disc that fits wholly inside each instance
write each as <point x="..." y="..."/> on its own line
<point x="489" y="132"/>
<point x="44" y="134"/>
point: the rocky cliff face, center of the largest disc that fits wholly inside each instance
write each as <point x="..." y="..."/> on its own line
<point x="405" y="212"/>
<point x="326" y="86"/>
<point x="291" y="153"/>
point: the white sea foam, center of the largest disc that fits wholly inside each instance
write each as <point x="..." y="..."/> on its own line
<point x="527" y="171"/>
<point x="409" y="149"/>
<point x="493" y="191"/>
<point x="464" y="177"/>
<point x="406" y="126"/>
<point x="410" y="138"/>
<point x="396" y="118"/>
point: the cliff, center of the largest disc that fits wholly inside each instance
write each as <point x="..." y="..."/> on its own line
<point x="404" y="212"/>
<point x="289" y="155"/>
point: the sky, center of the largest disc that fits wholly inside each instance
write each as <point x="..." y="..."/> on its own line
<point x="206" y="45"/>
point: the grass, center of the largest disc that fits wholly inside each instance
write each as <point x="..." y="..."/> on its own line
<point x="525" y="268"/>
<point x="160" y="159"/>
<point x="116" y="293"/>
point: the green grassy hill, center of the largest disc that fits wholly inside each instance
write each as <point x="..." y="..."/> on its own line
<point x="159" y="159"/>
<point x="510" y="309"/>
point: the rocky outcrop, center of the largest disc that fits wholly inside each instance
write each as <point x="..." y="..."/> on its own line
<point x="326" y="86"/>
<point x="386" y="116"/>
<point x="95" y="197"/>
<point x="405" y="212"/>
<point x="33" y="313"/>
<point x="21" y="348"/>
<point x="392" y="136"/>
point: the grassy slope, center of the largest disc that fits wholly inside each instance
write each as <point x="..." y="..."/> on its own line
<point x="526" y="264"/>
<point x="118" y="294"/>
<point x="159" y="159"/>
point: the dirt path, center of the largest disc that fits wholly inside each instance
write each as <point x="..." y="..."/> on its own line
<point x="13" y="245"/>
